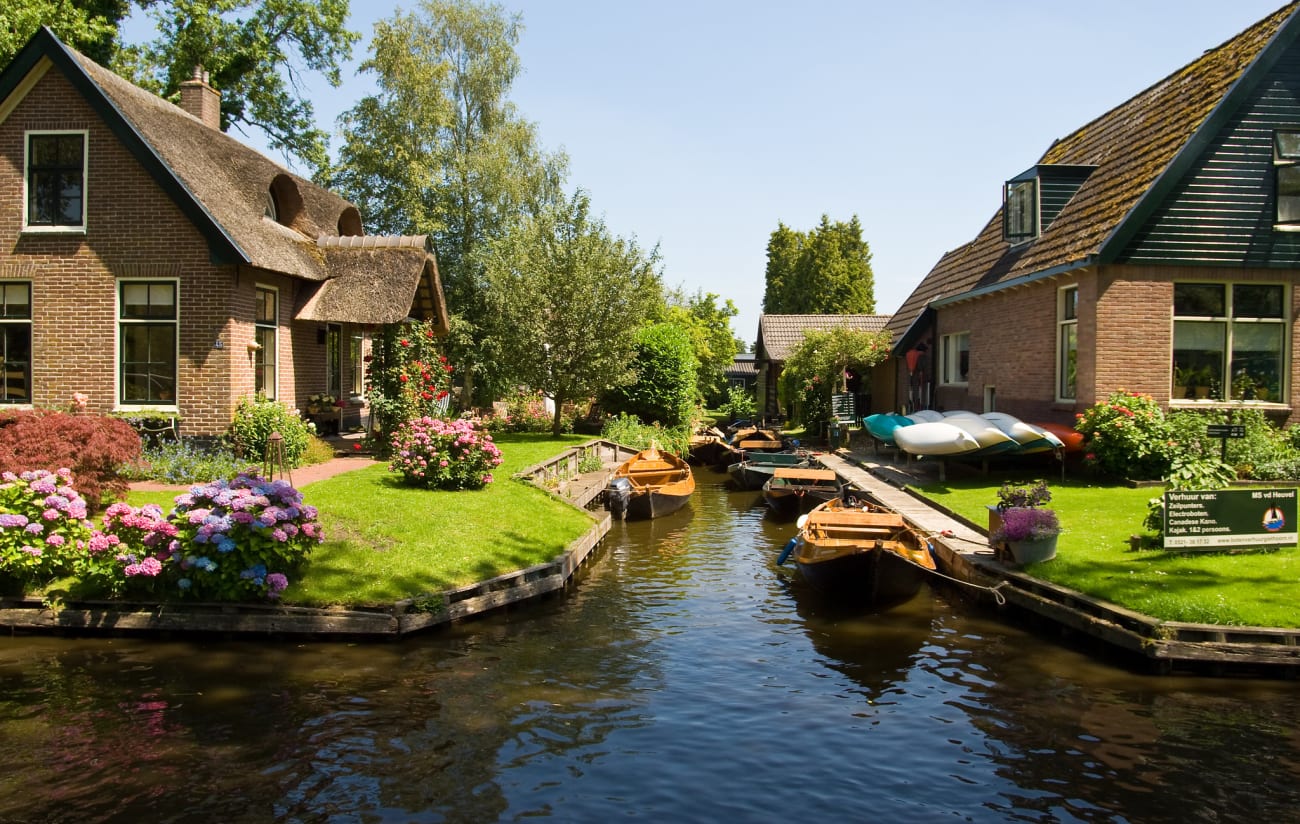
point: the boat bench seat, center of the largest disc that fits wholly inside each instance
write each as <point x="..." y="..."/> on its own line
<point x="759" y="444"/>
<point x="890" y="520"/>
<point x="805" y="474"/>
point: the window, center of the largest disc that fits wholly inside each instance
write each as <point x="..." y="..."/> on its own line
<point x="1067" y="343"/>
<point x="147" y="324"/>
<point x="954" y="358"/>
<point x="56" y="175"/>
<point x="1229" y="341"/>
<point x="1020" y="211"/>
<point x="1286" y="172"/>
<point x="334" y="359"/>
<point x="266" y="329"/>
<point x="358" y="365"/>
<point x="16" y="340"/>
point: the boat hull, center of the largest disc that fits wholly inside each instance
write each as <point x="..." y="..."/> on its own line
<point x="874" y="577"/>
<point x="645" y="505"/>
<point x="785" y="501"/>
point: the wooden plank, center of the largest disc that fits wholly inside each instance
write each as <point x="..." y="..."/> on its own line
<point x="804" y="474"/>
<point x="829" y="518"/>
<point x="759" y="444"/>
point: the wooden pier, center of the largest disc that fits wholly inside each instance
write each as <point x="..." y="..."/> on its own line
<point x="963" y="553"/>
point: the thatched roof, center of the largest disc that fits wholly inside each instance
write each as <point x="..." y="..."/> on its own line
<point x="778" y="335"/>
<point x="1135" y="148"/>
<point x="223" y="185"/>
<point x="363" y="290"/>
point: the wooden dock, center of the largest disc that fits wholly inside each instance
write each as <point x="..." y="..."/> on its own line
<point x="963" y="553"/>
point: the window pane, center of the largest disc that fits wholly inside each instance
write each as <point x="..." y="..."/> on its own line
<point x="358" y="366"/>
<point x="1287" y="145"/>
<point x="1288" y="194"/>
<point x="1069" y="359"/>
<point x="1020" y="211"/>
<point x="1199" y="300"/>
<point x="16" y="338"/>
<point x="1251" y="301"/>
<point x="17" y="302"/>
<point x="1069" y="304"/>
<point x="264" y="377"/>
<point x="1257" y="361"/>
<point x="1199" y="348"/>
<point x="264" y="312"/>
<point x="148" y="363"/>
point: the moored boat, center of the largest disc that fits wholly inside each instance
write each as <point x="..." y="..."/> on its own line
<point x="755" y="469"/>
<point x="649" y="484"/>
<point x="863" y="553"/>
<point x="792" y="490"/>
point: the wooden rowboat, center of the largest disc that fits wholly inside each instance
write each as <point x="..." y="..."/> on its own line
<point x="861" y="553"/>
<point x="755" y="468"/>
<point x="649" y="484"/>
<point x="792" y="490"/>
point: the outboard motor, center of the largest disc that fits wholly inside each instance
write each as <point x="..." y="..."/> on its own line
<point x="617" y="496"/>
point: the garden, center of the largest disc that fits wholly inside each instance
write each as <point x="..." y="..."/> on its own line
<point x="1134" y="452"/>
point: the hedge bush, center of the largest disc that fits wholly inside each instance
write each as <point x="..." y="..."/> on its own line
<point x="93" y="447"/>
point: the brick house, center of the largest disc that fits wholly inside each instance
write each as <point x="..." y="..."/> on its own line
<point x="154" y="263"/>
<point x="1155" y="249"/>
<point x="780" y="335"/>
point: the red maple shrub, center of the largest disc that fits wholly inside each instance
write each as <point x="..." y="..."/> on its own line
<point x="94" y="447"/>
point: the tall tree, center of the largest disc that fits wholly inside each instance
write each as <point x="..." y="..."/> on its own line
<point x="440" y="149"/>
<point x="823" y="272"/>
<point x="709" y="326"/>
<point x="564" y="299"/>
<point x="89" y="26"/>
<point x="254" y="52"/>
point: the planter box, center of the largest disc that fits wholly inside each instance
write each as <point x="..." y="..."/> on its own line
<point x="1029" y="552"/>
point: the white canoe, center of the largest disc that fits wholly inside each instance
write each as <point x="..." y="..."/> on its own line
<point x="926" y="416"/>
<point x="936" y="438"/>
<point x="1030" y="437"/>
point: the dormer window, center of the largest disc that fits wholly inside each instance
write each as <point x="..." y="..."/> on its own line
<point x="1020" y="212"/>
<point x="1286" y="171"/>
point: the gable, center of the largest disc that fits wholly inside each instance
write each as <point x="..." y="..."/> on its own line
<point x="1220" y="211"/>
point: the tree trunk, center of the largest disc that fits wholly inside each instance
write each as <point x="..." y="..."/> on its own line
<point x="557" y="424"/>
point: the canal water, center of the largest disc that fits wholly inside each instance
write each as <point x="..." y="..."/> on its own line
<point x="684" y="677"/>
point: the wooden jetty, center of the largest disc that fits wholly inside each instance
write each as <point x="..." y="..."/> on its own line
<point x="964" y="554"/>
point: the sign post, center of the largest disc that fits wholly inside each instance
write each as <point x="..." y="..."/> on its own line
<point x="1224" y="431"/>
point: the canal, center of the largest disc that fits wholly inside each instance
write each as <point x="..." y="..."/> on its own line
<point x="682" y="678"/>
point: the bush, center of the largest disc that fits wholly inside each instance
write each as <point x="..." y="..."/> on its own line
<point x="127" y="555"/>
<point x="740" y="404"/>
<point x="526" y="412"/>
<point x="254" y="422"/>
<point x="629" y="431"/>
<point x="1126" y="437"/>
<point x="239" y="539"/>
<point x="665" y="367"/>
<point x="438" y="454"/>
<point x="185" y="462"/>
<point x="93" y="447"/>
<point x="407" y="377"/>
<point x="42" y="525"/>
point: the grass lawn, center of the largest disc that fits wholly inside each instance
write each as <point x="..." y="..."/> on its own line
<point x="385" y="542"/>
<point x="1094" y="557"/>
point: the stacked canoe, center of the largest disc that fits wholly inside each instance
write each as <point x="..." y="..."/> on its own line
<point x="968" y="434"/>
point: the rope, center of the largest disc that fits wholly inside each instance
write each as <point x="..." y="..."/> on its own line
<point x="998" y="597"/>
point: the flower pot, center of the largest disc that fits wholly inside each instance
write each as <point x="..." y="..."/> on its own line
<point x="1029" y="552"/>
<point x="995" y="523"/>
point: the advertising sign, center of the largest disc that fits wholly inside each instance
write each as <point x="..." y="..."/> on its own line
<point x="842" y="407"/>
<point x="1215" y="519"/>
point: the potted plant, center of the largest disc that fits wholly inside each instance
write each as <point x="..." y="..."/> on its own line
<point x="1030" y="532"/>
<point x="1011" y="496"/>
<point x="320" y="403"/>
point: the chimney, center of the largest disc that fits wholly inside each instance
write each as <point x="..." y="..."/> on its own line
<point x="201" y="100"/>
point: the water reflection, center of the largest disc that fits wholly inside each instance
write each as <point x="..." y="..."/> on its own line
<point x="684" y="677"/>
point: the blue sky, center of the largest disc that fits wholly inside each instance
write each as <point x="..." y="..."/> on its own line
<point x="698" y="126"/>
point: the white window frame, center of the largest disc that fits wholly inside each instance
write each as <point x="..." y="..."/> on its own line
<point x="125" y="406"/>
<point x="1286" y="163"/>
<point x="1230" y="322"/>
<point x="950" y="348"/>
<point x="357" y="354"/>
<point x="80" y="228"/>
<point x="261" y="329"/>
<point x="1026" y="208"/>
<point x="7" y="322"/>
<point x="1066" y="322"/>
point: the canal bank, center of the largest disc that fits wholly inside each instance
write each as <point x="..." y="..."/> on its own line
<point x="964" y="554"/>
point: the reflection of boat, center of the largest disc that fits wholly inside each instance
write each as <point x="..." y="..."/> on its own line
<point x="649" y="484"/>
<point x="756" y="468"/>
<point x="794" y="489"/>
<point x="863" y="553"/>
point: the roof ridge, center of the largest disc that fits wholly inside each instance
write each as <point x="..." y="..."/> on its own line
<point x="373" y="241"/>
